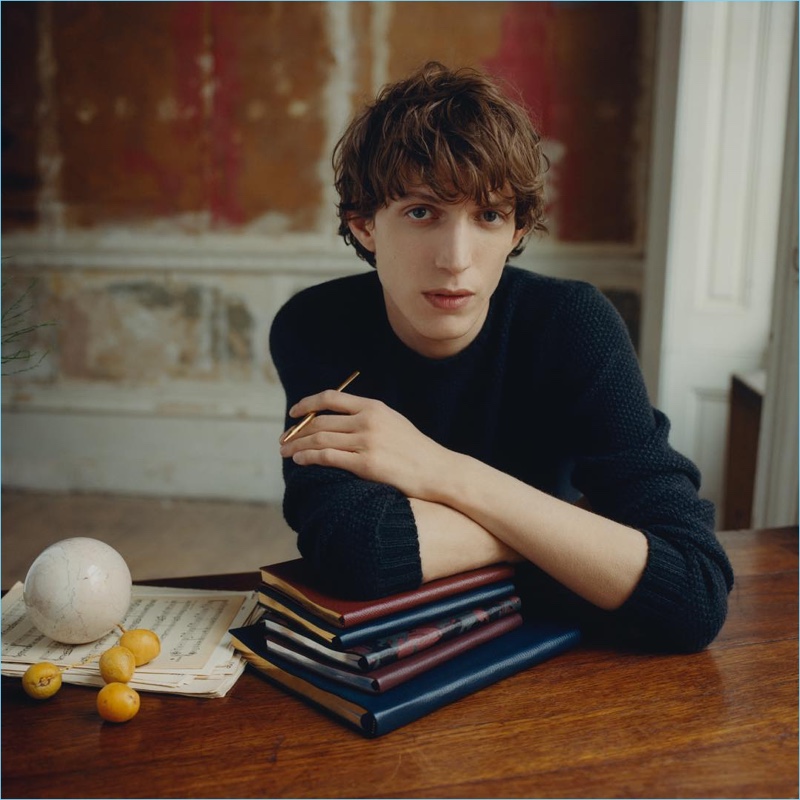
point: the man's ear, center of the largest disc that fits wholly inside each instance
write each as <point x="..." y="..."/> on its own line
<point x="362" y="228"/>
<point x="519" y="235"/>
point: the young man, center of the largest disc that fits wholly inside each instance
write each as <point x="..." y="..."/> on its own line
<point x="489" y="398"/>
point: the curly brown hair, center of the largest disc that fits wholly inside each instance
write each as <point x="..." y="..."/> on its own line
<point x="454" y="131"/>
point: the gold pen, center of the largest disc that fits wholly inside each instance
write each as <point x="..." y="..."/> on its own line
<point x="295" y="429"/>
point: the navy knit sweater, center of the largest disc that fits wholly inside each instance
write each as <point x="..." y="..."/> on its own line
<point x="550" y="392"/>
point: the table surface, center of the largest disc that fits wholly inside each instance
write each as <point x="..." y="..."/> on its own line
<point x="590" y="723"/>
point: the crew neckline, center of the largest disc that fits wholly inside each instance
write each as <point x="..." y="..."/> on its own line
<point x="411" y="356"/>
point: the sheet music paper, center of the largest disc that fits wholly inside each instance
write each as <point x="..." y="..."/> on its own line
<point x="196" y="654"/>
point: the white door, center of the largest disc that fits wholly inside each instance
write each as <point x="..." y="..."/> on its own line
<point x="720" y="240"/>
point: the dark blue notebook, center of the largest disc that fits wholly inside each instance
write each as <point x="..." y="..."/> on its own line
<point x="377" y="714"/>
<point x="369" y="631"/>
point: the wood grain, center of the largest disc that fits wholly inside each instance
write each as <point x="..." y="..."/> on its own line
<point x="590" y="723"/>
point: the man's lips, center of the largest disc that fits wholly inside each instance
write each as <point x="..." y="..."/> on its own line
<point x="448" y="299"/>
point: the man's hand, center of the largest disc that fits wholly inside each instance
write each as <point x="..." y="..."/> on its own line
<point x="470" y="513"/>
<point x="367" y="438"/>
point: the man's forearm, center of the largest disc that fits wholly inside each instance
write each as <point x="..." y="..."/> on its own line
<point x="450" y="542"/>
<point x="492" y="513"/>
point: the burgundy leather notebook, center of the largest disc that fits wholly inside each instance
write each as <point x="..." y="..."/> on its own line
<point x="391" y="675"/>
<point x="294" y="579"/>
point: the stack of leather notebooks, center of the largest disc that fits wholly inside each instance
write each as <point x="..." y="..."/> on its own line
<point x="379" y="664"/>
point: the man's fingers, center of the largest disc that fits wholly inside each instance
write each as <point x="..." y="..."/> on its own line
<point x="329" y="400"/>
<point x="328" y="457"/>
<point x="325" y="422"/>
<point x="323" y="432"/>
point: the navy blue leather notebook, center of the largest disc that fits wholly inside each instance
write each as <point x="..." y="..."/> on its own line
<point x="377" y="714"/>
<point x="375" y="629"/>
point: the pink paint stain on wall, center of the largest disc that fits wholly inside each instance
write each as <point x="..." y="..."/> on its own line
<point x="208" y="91"/>
<point x="580" y="69"/>
<point x="526" y="58"/>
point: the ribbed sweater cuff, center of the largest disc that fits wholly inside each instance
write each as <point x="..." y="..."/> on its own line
<point x="397" y="547"/>
<point x="661" y="591"/>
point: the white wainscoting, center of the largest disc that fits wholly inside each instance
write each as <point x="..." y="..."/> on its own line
<point x="190" y="437"/>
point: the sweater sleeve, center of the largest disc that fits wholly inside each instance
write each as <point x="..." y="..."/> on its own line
<point x="629" y="472"/>
<point x="680" y="602"/>
<point x="359" y="537"/>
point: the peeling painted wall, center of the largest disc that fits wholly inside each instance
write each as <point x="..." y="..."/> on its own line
<point x="166" y="179"/>
<point x="213" y="116"/>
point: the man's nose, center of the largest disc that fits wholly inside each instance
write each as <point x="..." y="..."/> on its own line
<point x="454" y="253"/>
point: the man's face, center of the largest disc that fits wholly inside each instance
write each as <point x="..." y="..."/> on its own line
<point x="439" y="264"/>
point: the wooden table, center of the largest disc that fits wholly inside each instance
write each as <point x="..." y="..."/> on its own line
<point x="591" y="723"/>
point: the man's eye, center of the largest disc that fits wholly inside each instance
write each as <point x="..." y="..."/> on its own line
<point x="490" y="215"/>
<point x="418" y="213"/>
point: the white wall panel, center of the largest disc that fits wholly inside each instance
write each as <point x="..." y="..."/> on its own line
<point x="726" y="187"/>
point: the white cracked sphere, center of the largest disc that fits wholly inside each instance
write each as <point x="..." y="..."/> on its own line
<point x="77" y="590"/>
